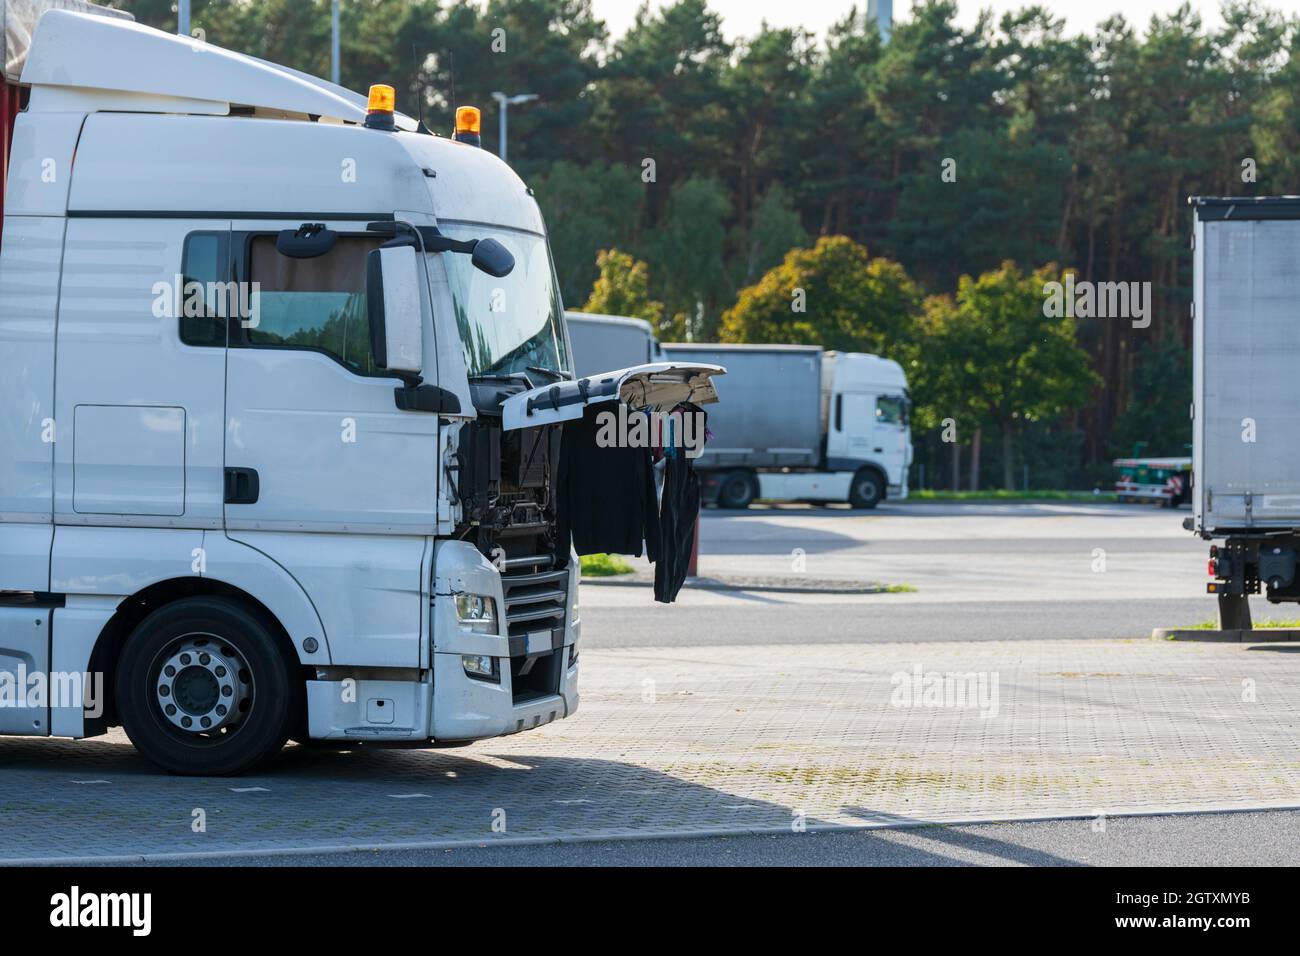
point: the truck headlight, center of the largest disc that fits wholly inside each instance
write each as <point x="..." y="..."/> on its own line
<point x="477" y="612"/>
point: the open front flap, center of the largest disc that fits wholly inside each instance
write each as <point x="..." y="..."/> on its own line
<point x="658" y="385"/>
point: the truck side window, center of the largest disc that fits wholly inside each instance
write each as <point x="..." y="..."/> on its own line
<point x="317" y="304"/>
<point x="206" y="272"/>
<point x="891" y="410"/>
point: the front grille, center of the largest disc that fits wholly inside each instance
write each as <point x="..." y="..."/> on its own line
<point x="536" y="595"/>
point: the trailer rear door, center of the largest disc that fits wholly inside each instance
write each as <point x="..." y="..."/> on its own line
<point x="1247" y="366"/>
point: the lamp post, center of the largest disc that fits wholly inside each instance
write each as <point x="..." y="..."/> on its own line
<point x="334" y="42"/>
<point x="882" y="12"/>
<point x="183" y="17"/>
<point x="504" y="103"/>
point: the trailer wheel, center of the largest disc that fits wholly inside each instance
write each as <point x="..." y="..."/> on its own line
<point x="204" y="689"/>
<point x="738" y="490"/>
<point x="867" y="489"/>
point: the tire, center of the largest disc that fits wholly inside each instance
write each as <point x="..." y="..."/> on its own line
<point x="867" y="489"/>
<point x="227" y="668"/>
<point x="738" y="490"/>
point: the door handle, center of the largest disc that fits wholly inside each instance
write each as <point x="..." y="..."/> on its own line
<point x="242" y="486"/>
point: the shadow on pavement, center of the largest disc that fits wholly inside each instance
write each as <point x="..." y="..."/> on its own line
<point x="100" y="798"/>
<point x="975" y="843"/>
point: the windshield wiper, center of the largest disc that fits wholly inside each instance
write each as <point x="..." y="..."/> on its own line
<point x="502" y="377"/>
<point x="557" y="375"/>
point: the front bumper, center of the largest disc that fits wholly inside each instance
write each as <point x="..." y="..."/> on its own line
<point x="469" y="709"/>
<point x="536" y="674"/>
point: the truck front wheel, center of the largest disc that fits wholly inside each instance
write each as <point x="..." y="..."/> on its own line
<point x="867" y="489"/>
<point x="203" y="688"/>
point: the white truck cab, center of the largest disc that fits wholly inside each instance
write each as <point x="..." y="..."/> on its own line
<point x="866" y="414"/>
<point x="281" y="383"/>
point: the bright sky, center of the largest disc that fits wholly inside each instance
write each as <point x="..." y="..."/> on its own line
<point x="743" y="17"/>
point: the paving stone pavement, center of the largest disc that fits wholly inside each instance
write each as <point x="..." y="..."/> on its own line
<point x="699" y="739"/>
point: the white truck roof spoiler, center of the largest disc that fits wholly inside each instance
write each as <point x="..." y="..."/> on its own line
<point x="95" y="54"/>
<point x="18" y="21"/>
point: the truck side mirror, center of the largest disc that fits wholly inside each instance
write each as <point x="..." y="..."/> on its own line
<point x="493" y="258"/>
<point x="393" y="309"/>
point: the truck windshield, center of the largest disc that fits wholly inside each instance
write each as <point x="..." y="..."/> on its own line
<point x="511" y="324"/>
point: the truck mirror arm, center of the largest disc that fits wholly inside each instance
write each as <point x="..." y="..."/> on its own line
<point x="488" y="255"/>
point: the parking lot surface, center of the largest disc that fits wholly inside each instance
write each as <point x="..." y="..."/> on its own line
<point x="707" y="739"/>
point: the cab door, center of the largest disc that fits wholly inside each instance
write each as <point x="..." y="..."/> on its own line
<point x="324" y="473"/>
<point x="893" y="436"/>
<point x="852" y="432"/>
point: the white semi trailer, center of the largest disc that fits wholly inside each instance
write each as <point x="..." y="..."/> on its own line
<point x="282" y="378"/>
<point x="1246" y="392"/>
<point x="804" y="424"/>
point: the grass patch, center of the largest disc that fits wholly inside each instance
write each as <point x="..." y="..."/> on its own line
<point x="604" y="565"/>
<point x="899" y="589"/>
<point x="1003" y="495"/>
<point x="1213" y="625"/>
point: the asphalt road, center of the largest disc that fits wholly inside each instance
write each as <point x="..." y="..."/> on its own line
<point x="979" y="572"/>
<point x="1201" y="839"/>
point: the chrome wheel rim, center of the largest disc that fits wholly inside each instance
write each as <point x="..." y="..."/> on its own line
<point x="203" y="685"/>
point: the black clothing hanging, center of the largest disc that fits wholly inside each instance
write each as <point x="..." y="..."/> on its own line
<point x="605" y="497"/>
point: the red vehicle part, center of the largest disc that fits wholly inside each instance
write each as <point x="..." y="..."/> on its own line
<point x="9" y="106"/>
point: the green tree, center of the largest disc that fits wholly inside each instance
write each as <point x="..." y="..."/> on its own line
<point x="938" y="381"/>
<point x="991" y="196"/>
<point x="1014" y="364"/>
<point x="766" y="89"/>
<point x="546" y="47"/>
<point x="660" y="96"/>
<point x="843" y="175"/>
<point x="933" y="79"/>
<point x="834" y="294"/>
<point x="1162" y="389"/>
<point x="587" y="208"/>
<point x="774" y="229"/>
<point x="685" y="251"/>
<point x="623" y="288"/>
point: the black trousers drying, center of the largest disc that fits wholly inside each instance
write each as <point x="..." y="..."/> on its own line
<point x="678" y="512"/>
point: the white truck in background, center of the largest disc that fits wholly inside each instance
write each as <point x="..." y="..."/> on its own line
<point x="1246" y="398"/>
<point x="295" y="475"/>
<point x="800" y="423"/>
<point x="804" y="424"/>
<point x="610" y="341"/>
